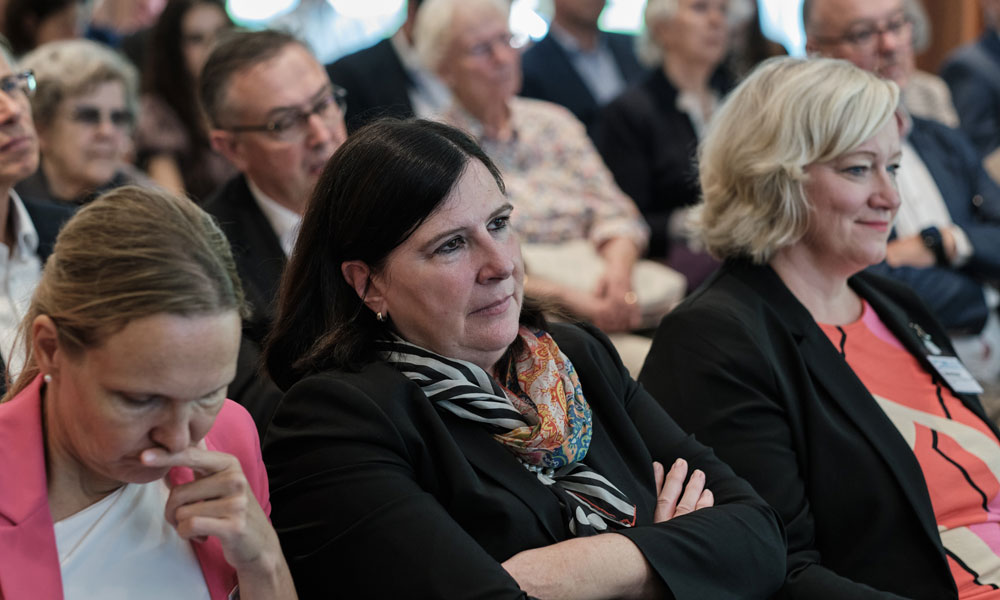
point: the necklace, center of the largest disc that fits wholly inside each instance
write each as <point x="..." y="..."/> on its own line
<point x="111" y="500"/>
<point x="547" y="471"/>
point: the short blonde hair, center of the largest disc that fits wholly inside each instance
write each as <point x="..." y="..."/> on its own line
<point x="787" y="114"/>
<point x="68" y="68"/>
<point x="433" y="31"/>
<point x="650" y="54"/>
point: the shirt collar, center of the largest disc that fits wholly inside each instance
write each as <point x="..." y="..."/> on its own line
<point x="284" y="221"/>
<point x="25" y="235"/>
<point x="569" y="43"/>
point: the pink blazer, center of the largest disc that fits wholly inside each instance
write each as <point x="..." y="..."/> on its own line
<point x="29" y="563"/>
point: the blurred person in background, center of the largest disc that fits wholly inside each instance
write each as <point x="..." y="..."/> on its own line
<point x="31" y="23"/>
<point x="649" y="135"/>
<point x="926" y="95"/>
<point x="576" y="64"/>
<point x="84" y="109"/>
<point x="973" y="74"/>
<point x="171" y="136"/>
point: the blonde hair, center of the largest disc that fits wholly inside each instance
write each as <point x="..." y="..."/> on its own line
<point x="433" y="31"/>
<point x="131" y="253"/>
<point x="68" y="68"/>
<point x="787" y="114"/>
<point x="650" y="54"/>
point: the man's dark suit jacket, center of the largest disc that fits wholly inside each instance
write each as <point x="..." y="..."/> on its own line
<point x="377" y="84"/>
<point x="549" y="75"/>
<point x="955" y="296"/>
<point x="256" y="250"/>
<point x="377" y="494"/>
<point x="650" y="146"/>
<point x="973" y="74"/>
<point x="742" y="365"/>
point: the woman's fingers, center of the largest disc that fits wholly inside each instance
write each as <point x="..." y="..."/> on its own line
<point x="692" y="493"/>
<point x="707" y="500"/>
<point x="670" y="493"/>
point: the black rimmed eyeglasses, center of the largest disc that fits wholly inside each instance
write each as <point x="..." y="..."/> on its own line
<point x="291" y="124"/>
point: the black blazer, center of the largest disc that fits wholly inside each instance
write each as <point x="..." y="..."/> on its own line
<point x="256" y="250"/>
<point x="651" y="147"/>
<point x="377" y="494"/>
<point x="743" y="366"/>
<point x="549" y="75"/>
<point x="377" y="84"/>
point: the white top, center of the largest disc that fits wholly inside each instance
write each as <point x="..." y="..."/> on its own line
<point x="429" y="96"/>
<point x="284" y="221"/>
<point x="20" y="271"/>
<point x="123" y="548"/>
<point x="922" y="204"/>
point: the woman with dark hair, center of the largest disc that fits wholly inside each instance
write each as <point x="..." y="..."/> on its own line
<point x="439" y="439"/>
<point x="31" y="23"/>
<point x="171" y="136"/>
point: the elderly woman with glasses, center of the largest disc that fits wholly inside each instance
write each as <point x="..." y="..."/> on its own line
<point x="83" y="107"/>
<point x="833" y="390"/>
<point x="583" y="236"/>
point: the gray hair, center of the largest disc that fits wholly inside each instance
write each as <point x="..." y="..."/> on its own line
<point x="68" y="68"/>
<point x="787" y="114"/>
<point x="433" y="31"/>
<point x="650" y="54"/>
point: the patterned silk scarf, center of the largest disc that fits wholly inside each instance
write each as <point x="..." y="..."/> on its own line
<point x="538" y="414"/>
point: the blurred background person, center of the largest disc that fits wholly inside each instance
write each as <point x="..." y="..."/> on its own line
<point x="926" y="95"/>
<point x="84" y="108"/>
<point x="27" y="230"/>
<point x="649" y="135"/>
<point x="439" y="439"/>
<point x="582" y="236"/>
<point x="31" y="23"/>
<point x="831" y="389"/>
<point x="125" y="470"/>
<point x="171" y="136"/>
<point x="748" y="46"/>
<point x="973" y="74"/>
<point x="946" y="236"/>
<point x="403" y="87"/>
<point x="576" y="64"/>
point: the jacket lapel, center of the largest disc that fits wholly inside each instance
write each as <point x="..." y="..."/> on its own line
<point x="832" y="374"/>
<point x="493" y="462"/>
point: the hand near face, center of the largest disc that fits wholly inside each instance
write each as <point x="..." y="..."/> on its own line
<point x="673" y="498"/>
<point x="219" y="502"/>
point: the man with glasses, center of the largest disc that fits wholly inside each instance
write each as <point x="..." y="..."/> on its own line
<point x="946" y="237"/>
<point x="276" y="117"/>
<point x="23" y="246"/>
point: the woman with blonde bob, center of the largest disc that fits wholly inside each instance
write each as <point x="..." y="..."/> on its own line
<point x="833" y="391"/>
<point x="125" y="471"/>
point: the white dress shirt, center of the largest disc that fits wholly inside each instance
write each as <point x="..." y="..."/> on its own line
<point x="20" y="272"/>
<point x="284" y="221"/>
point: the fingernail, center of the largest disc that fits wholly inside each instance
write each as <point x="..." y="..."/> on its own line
<point x="698" y="473"/>
<point x="679" y="463"/>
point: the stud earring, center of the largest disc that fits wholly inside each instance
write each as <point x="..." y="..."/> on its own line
<point x="380" y="317"/>
<point x="47" y="378"/>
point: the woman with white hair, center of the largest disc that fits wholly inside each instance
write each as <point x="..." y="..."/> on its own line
<point x="649" y="135"/>
<point x="565" y="198"/>
<point x="84" y="108"/>
<point x="834" y="391"/>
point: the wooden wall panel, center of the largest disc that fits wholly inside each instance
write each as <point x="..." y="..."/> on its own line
<point x="953" y="23"/>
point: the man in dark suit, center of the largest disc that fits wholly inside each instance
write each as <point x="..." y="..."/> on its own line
<point x="386" y="80"/>
<point x="576" y="64"/>
<point x="946" y="243"/>
<point x="973" y="74"/>
<point x="274" y="115"/>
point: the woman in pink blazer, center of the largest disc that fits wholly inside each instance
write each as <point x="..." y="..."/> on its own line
<point x="124" y="471"/>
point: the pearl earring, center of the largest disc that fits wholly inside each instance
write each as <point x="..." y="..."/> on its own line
<point x="47" y="378"/>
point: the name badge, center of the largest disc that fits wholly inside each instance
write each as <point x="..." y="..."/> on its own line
<point x="955" y="374"/>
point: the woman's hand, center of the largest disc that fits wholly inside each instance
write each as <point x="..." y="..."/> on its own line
<point x="219" y="502"/>
<point x="615" y="302"/>
<point x="670" y="501"/>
